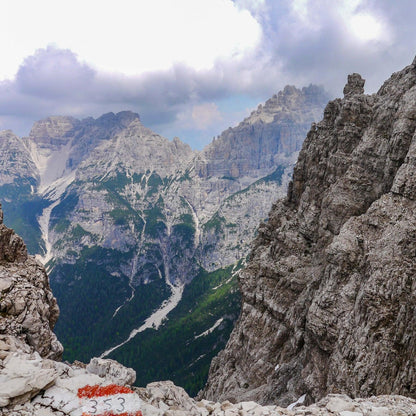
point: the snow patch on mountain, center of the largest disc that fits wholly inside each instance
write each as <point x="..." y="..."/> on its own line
<point x="210" y="330"/>
<point x="54" y="193"/>
<point x="51" y="163"/>
<point x="156" y="318"/>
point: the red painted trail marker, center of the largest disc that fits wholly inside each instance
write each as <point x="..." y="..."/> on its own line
<point x="109" y="400"/>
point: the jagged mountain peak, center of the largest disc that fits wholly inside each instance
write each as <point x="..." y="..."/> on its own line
<point x="138" y="149"/>
<point x="123" y="118"/>
<point x="354" y="85"/>
<point x="58" y="144"/>
<point x="53" y="130"/>
<point x="8" y="138"/>
<point x="139" y="130"/>
<point x="58" y="130"/>
<point x="16" y="162"/>
<point x="271" y="133"/>
<point x="7" y="133"/>
<point x="142" y="134"/>
<point x="290" y="104"/>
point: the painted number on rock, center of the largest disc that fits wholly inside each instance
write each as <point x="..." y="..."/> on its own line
<point x="109" y="400"/>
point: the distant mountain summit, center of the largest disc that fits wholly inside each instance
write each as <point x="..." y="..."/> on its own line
<point x="142" y="235"/>
<point x="276" y="129"/>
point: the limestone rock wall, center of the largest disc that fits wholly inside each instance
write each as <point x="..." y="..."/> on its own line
<point x="329" y="292"/>
<point x="28" y="310"/>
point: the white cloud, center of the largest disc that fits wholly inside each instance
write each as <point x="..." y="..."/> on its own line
<point x="354" y="17"/>
<point x="254" y="6"/>
<point x="205" y="115"/>
<point x="366" y="27"/>
<point x="127" y="36"/>
<point x="300" y="8"/>
<point x="222" y="55"/>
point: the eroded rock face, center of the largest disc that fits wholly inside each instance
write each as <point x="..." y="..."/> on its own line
<point x="329" y="293"/>
<point x="16" y="164"/>
<point x="27" y="307"/>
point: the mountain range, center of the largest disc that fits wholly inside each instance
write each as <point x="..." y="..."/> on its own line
<point x="327" y="324"/>
<point x="143" y="237"/>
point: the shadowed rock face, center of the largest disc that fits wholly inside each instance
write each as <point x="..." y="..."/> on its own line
<point x="329" y="292"/>
<point x="27" y="307"/>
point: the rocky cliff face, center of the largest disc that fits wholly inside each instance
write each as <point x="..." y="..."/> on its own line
<point x="329" y="292"/>
<point x="16" y="164"/>
<point x="19" y="178"/>
<point x="28" y="309"/>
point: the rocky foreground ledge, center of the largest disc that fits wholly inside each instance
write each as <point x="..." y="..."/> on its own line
<point x="54" y="387"/>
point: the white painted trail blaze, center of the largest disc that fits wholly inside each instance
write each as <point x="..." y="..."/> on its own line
<point x="156" y="318"/>
<point x="208" y="331"/>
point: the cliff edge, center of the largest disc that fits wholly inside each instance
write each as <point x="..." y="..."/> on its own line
<point x="328" y="297"/>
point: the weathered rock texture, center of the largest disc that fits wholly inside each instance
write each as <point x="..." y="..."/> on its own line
<point x="329" y="293"/>
<point x="27" y="307"/>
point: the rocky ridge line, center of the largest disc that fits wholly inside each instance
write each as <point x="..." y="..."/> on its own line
<point x="328" y="295"/>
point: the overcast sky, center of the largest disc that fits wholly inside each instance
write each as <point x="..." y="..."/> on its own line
<point x="190" y="68"/>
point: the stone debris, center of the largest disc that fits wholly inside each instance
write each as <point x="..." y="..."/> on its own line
<point x="166" y="399"/>
<point x="112" y="370"/>
<point x="23" y="376"/>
